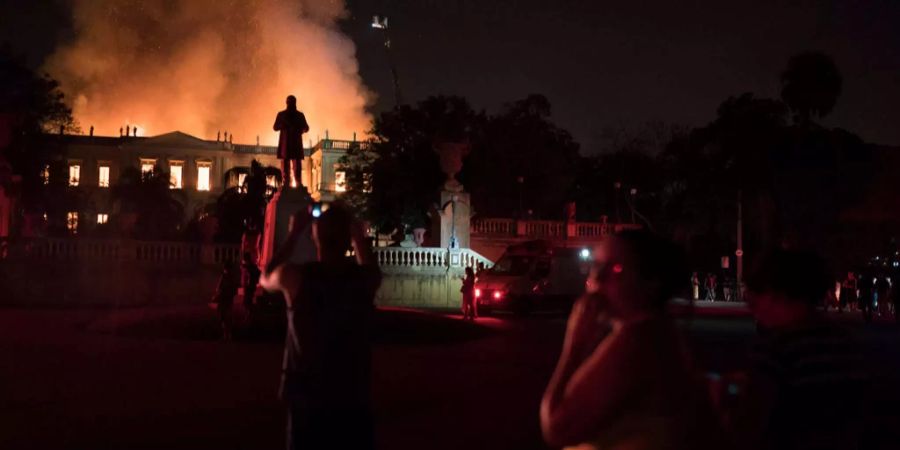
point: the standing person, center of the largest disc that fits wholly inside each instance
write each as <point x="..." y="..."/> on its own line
<point x="224" y="298"/>
<point x="848" y="292"/>
<point x="249" y="278"/>
<point x="866" y="286"/>
<point x="710" y="287"/>
<point x="251" y="239"/>
<point x="882" y="291"/>
<point x="292" y="124"/>
<point x="326" y="380"/>
<point x="468" y="295"/>
<point x="624" y="379"/>
<point x="806" y="386"/>
<point x="695" y="286"/>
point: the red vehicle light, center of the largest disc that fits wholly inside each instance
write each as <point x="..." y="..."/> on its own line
<point x="498" y="294"/>
<point x="477" y="293"/>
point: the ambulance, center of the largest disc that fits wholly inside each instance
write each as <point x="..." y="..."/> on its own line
<point x="533" y="276"/>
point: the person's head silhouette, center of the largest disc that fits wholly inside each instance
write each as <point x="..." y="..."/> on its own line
<point x="291" y="102"/>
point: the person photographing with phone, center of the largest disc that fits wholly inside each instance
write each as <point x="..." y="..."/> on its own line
<point x="326" y="380"/>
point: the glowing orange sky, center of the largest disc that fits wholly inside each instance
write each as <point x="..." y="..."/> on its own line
<point x="202" y="67"/>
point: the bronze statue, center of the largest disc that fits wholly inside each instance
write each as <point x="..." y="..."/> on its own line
<point x="291" y="124"/>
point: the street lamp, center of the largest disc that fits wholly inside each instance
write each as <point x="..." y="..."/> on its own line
<point x="381" y="23"/>
<point x="633" y="193"/>
<point x="521" y="181"/>
<point x="618" y="186"/>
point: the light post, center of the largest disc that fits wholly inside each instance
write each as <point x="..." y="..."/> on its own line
<point x="521" y="181"/>
<point x="381" y="23"/>
<point x="618" y="185"/>
<point x="633" y="193"/>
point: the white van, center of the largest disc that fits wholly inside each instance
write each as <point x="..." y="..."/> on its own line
<point x="531" y="276"/>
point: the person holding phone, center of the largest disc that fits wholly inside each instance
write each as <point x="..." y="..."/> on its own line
<point x="327" y="358"/>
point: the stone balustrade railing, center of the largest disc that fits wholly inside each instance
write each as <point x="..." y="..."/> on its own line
<point x="120" y="250"/>
<point x="425" y="257"/>
<point x="502" y="227"/>
<point x="418" y="259"/>
<point x="545" y="229"/>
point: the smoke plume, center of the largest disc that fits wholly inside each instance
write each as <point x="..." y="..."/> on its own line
<point x="203" y="66"/>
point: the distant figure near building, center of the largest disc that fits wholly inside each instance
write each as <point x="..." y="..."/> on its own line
<point x="848" y="292"/>
<point x="695" y="286"/>
<point x="249" y="278"/>
<point x="224" y="298"/>
<point x="291" y="124"/>
<point x="711" y="286"/>
<point x="468" y="295"/>
<point x="866" y="285"/>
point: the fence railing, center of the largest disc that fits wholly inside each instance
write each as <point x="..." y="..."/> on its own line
<point x="155" y="252"/>
<point x="411" y="257"/>
<point x="502" y="227"/>
<point x="545" y="229"/>
<point x="118" y="250"/>
<point x="336" y="144"/>
<point x="255" y="149"/>
<point x="427" y="258"/>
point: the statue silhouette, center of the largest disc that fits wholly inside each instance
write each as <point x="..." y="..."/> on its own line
<point x="291" y="124"/>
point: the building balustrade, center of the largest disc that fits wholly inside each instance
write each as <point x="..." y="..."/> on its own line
<point x="186" y="253"/>
<point x="545" y="229"/>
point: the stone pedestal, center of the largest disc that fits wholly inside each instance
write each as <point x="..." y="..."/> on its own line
<point x="279" y="218"/>
<point x="455" y="210"/>
<point x="454" y="219"/>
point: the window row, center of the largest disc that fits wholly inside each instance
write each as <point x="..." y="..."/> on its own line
<point x="72" y="220"/>
<point x="176" y="174"/>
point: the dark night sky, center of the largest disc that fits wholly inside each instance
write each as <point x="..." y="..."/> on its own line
<point x="599" y="64"/>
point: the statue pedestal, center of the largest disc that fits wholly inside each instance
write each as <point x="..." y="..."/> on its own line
<point x="454" y="219"/>
<point x="279" y="218"/>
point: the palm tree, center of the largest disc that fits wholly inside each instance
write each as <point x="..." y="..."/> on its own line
<point x="158" y="208"/>
<point x="810" y="85"/>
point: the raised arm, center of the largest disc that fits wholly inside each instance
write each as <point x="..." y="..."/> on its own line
<point x="590" y="385"/>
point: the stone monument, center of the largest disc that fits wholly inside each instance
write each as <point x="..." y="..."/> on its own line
<point x="455" y="208"/>
<point x="281" y="209"/>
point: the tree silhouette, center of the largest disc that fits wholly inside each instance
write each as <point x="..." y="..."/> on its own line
<point x="810" y="86"/>
<point x="158" y="207"/>
<point x="243" y="203"/>
<point x="35" y="109"/>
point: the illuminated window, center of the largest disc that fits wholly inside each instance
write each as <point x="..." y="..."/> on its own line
<point x="340" y="181"/>
<point x="176" y="169"/>
<point x="72" y="222"/>
<point x="147" y="166"/>
<point x="203" y="169"/>
<point x="45" y="174"/>
<point x="102" y="218"/>
<point x="104" y="177"/>
<point x="241" y="178"/>
<point x="74" y="174"/>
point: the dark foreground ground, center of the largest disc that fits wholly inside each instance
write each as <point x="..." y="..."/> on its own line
<point x="159" y="379"/>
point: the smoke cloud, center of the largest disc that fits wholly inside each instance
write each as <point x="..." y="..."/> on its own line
<point x="202" y="66"/>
